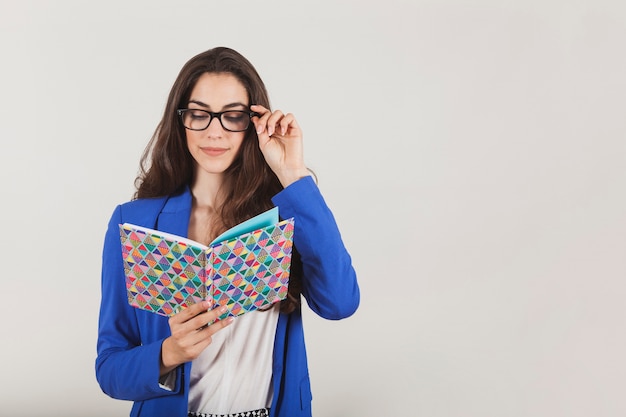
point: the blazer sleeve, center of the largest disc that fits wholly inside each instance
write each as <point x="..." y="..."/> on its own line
<point x="329" y="282"/>
<point x="126" y="368"/>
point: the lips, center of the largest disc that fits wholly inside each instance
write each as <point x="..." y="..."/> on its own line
<point x="213" y="151"/>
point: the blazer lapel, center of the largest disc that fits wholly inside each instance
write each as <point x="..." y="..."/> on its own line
<point x="174" y="218"/>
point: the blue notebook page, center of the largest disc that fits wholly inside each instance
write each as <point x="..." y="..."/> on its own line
<point x="265" y="219"/>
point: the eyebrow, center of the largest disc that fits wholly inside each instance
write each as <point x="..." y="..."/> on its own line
<point x="227" y="106"/>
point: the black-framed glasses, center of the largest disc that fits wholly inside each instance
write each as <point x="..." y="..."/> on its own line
<point x="231" y="120"/>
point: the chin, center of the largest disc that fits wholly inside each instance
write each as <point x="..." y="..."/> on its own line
<point x="214" y="168"/>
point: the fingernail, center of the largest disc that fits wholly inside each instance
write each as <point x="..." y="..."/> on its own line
<point x="259" y="129"/>
<point x="223" y="309"/>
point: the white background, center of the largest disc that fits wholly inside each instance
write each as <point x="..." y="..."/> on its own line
<point x="473" y="153"/>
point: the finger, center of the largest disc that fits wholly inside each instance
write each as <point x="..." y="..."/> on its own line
<point x="286" y="121"/>
<point x="187" y="345"/>
<point x="210" y="329"/>
<point x="203" y="336"/>
<point x="207" y="318"/>
<point x="260" y="121"/>
<point x="274" y="119"/>
<point x="257" y="108"/>
<point x="192" y="328"/>
<point x="190" y="312"/>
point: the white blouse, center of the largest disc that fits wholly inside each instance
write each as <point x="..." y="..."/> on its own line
<point x="234" y="373"/>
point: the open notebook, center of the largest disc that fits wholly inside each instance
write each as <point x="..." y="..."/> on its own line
<point x="245" y="268"/>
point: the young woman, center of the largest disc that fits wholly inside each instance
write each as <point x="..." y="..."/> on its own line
<point x="220" y="156"/>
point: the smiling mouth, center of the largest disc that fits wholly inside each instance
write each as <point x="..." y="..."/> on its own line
<point x="214" y="151"/>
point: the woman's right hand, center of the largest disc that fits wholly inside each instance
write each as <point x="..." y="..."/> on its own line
<point x="191" y="334"/>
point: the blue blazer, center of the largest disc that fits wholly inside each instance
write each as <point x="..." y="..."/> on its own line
<point x="129" y="339"/>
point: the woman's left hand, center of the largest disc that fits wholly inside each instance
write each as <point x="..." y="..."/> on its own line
<point x="280" y="141"/>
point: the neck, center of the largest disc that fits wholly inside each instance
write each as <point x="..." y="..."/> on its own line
<point x="205" y="189"/>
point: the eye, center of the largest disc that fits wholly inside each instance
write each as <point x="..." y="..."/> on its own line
<point x="198" y="114"/>
<point x="234" y="116"/>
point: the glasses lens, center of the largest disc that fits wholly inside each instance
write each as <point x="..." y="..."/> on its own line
<point x="235" y="121"/>
<point x="196" y="119"/>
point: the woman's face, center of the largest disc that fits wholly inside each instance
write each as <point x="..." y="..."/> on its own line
<point x="215" y="148"/>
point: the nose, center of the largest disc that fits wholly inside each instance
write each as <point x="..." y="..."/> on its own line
<point x="215" y="126"/>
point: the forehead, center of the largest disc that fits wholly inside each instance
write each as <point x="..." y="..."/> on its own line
<point x="219" y="89"/>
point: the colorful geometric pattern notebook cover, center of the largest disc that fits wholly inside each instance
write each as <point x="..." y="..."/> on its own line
<point x="166" y="273"/>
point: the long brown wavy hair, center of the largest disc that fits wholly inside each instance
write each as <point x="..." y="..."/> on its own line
<point x="167" y="167"/>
